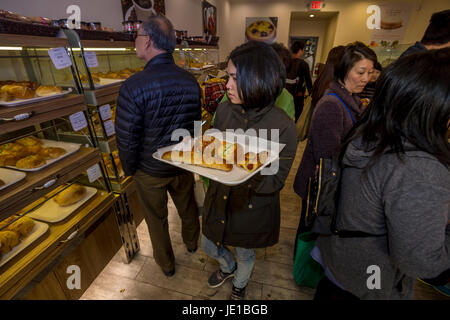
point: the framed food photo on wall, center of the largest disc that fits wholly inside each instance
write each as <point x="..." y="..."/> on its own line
<point x="134" y="10"/>
<point x="261" y="29"/>
<point x="209" y="14"/>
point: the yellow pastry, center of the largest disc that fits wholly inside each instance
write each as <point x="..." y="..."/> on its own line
<point x="70" y="195"/>
<point x="31" y="162"/>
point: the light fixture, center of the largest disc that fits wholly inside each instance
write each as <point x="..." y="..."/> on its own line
<point x="311" y="16"/>
<point x="11" y="48"/>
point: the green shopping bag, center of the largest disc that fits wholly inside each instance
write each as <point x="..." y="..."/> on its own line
<point x="307" y="272"/>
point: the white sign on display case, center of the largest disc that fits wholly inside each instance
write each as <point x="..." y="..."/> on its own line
<point x="60" y="58"/>
<point x="105" y="112"/>
<point x="91" y="59"/>
<point x="78" y="121"/>
<point x="94" y="173"/>
<point x="109" y="128"/>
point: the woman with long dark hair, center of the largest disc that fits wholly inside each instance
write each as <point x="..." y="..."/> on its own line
<point x="395" y="185"/>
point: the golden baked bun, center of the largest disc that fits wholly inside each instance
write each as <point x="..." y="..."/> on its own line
<point x="8" y="240"/>
<point x="14" y="149"/>
<point x="33" y="145"/>
<point x="51" y="152"/>
<point x="188" y="157"/>
<point x="31" y="162"/>
<point x="30" y="84"/>
<point x="8" y="160"/>
<point x="5" y="96"/>
<point x="70" y="195"/>
<point x="22" y="226"/>
<point x="45" y="91"/>
<point x="231" y="152"/>
<point x="18" y="91"/>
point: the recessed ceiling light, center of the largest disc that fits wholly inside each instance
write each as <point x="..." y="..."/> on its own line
<point x="311" y="16"/>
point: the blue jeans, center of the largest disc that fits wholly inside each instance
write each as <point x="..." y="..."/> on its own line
<point x="245" y="261"/>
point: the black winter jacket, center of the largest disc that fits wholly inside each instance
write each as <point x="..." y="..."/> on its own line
<point x="151" y="105"/>
<point x="248" y="215"/>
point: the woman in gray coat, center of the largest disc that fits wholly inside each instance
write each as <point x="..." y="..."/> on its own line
<point x="247" y="216"/>
<point x="395" y="186"/>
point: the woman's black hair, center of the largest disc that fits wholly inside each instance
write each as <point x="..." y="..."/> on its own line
<point x="411" y="103"/>
<point x="438" y="31"/>
<point x="353" y="53"/>
<point x="260" y="74"/>
<point x="378" y="66"/>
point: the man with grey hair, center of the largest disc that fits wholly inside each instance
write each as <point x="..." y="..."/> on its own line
<point x="151" y="105"/>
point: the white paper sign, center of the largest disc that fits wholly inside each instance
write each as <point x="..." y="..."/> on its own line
<point x="60" y="58"/>
<point x="91" y="59"/>
<point x="105" y="112"/>
<point x="109" y="128"/>
<point x="94" y="173"/>
<point x="78" y="121"/>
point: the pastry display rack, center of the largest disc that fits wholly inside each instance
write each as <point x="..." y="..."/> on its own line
<point x="100" y="80"/>
<point x="389" y="53"/>
<point x="56" y="204"/>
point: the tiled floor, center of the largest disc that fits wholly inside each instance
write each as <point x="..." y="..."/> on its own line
<point x="271" y="278"/>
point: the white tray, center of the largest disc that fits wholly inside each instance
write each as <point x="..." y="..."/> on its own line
<point x="237" y="175"/>
<point x="10" y="177"/>
<point x="52" y="212"/>
<point x="68" y="146"/>
<point x="106" y="81"/>
<point x="19" y="102"/>
<point x="38" y="230"/>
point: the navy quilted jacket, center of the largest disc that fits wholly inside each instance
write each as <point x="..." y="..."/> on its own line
<point x="151" y="105"/>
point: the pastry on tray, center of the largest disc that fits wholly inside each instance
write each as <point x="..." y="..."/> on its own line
<point x="2" y="183"/>
<point x="253" y="161"/>
<point x="8" y="240"/>
<point x="14" y="149"/>
<point x="70" y="195"/>
<point x="31" y="162"/>
<point x="18" y="91"/>
<point x="22" y="226"/>
<point x="189" y="158"/>
<point x="45" y="91"/>
<point x="33" y="145"/>
<point x="51" y="152"/>
<point x="8" y="160"/>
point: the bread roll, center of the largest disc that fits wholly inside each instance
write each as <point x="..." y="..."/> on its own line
<point x="5" y="96"/>
<point x="70" y="195"/>
<point x="19" y="91"/>
<point x="32" y="144"/>
<point x="22" y="226"/>
<point x="8" y="240"/>
<point x="231" y="152"/>
<point x="44" y="91"/>
<point x="253" y="161"/>
<point x="188" y="158"/>
<point x="8" y="160"/>
<point x="52" y="152"/>
<point x="30" y="162"/>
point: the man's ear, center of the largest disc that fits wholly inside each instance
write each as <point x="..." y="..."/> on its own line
<point x="148" y="44"/>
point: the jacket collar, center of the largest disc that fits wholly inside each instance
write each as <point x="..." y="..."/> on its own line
<point x="162" y="58"/>
<point x="353" y="102"/>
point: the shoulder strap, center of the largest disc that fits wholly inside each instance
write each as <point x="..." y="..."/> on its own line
<point x="349" y="112"/>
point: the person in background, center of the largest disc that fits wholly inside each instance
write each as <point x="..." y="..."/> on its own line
<point x="151" y="105"/>
<point x="247" y="216"/>
<point x="367" y="94"/>
<point x="335" y="114"/>
<point x="395" y="185"/>
<point x="436" y="36"/>
<point x="298" y="76"/>
<point x="285" y="100"/>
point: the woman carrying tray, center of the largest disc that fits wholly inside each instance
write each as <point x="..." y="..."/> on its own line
<point x="247" y="216"/>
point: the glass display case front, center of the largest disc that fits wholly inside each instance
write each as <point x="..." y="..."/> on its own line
<point x="388" y="54"/>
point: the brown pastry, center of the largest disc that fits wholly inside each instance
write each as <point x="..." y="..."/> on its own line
<point x="8" y="160"/>
<point x="33" y="145"/>
<point x="70" y="195"/>
<point x="5" y="96"/>
<point x="44" y="91"/>
<point x="2" y="183"/>
<point x="189" y="158"/>
<point x="14" y="149"/>
<point x="19" y="91"/>
<point x="30" y="84"/>
<point x="253" y="161"/>
<point x="31" y="162"/>
<point x="8" y="240"/>
<point x="22" y="226"/>
<point x="51" y="152"/>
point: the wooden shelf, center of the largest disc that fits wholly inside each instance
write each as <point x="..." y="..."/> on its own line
<point x="18" y="272"/>
<point x="31" y="41"/>
<point x="16" y="197"/>
<point x="41" y="111"/>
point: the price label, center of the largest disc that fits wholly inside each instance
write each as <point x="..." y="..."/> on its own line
<point x="94" y="173"/>
<point x="91" y="59"/>
<point x="109" y="128"/>
<point x="105" y="112"/>
<point x="60" y="58"/>
<point x="78" y="121"/>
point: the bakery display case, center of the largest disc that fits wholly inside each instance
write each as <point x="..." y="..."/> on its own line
<point x="389" y="53"/>
<point x="54" y="191"/>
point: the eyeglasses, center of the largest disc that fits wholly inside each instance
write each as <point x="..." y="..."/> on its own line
<point x="135" y="35"/>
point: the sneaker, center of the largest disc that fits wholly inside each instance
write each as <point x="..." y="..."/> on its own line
<point x="237" y="294"/>
<point x="219" y="277"/>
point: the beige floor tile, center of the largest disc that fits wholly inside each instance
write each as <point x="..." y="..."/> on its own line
<point x="128" y="270"/>
<point x="276" y="274"/>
